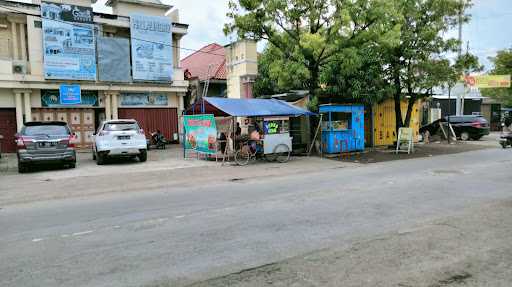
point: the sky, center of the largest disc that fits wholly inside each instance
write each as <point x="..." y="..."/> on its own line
<point x="489" y="30"/>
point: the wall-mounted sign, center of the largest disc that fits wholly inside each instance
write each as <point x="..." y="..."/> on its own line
<point x="144" y="99"/>
<point x="66" y="12"/>
<point x="152" y="57"/>
<point x="51" y="98"/>
<point x="68" y="42"/>
<point x="70" y="95"/>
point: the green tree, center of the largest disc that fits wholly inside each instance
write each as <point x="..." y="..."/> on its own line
<point x="355" y="74"/>
<point x="307" y="33"/>
<point x="415" y="59"/>
<point x="276" y="74"/>
<point x="502" y="66"/>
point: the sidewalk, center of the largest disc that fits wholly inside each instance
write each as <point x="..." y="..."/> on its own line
<point x="170" y="158"/>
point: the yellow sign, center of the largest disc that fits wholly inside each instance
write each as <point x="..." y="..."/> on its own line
<point x="488" y="81"/>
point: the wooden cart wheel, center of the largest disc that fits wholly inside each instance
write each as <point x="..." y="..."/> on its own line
<point x="243" y="155"/>
<point x="282" y="153"/>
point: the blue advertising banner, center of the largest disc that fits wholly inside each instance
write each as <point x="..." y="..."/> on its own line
<point x="70" y="95"/>
<point x="151" y="38"/>
<point x="68" y="47"/>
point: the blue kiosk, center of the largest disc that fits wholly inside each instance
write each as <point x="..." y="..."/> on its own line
<point x="342" y="128"/>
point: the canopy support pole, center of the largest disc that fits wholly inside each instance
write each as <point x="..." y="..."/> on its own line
<point x="316" y="134"/>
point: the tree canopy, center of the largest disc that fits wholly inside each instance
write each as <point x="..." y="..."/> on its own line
<point x="308" y="33"/>
<point x="364" y="50"/>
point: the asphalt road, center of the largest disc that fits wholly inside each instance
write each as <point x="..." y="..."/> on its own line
<point x="177" y="236"/>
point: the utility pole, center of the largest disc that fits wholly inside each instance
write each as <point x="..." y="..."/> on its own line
<point x="459" y="54"/>
<point x="465" y="85"/>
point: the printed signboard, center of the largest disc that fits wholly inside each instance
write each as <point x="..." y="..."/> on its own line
<point x="151" y="38"/>
<point x="143" y="99"/>
<point x="68" y="47"/>
<point x="488" y="81"/>
<point x="200" y="133"/>
<point x="70" y="95"/>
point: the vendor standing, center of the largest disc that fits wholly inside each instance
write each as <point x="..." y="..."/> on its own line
<point x="255" y="137"/>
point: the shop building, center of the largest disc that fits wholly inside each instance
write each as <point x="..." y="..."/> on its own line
<point x="123" y="66"/>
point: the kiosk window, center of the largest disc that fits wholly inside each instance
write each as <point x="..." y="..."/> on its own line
<point x="341" y="121"/>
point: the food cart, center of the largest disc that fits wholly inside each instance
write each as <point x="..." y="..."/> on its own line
<point x="271" y="113"/>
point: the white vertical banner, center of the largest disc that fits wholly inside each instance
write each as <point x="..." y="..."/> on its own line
<point x="151" y="41"/>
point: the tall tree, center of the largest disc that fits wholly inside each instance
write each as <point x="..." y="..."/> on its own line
<point x="502" y="66"/>
<point x="276" y="74"/>
<point x="415" y="62"/>
<point x="308" y="33"/>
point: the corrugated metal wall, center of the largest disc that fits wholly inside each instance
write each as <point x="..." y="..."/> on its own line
<point x="151" y="119"/>
<point x="384" y="121"/>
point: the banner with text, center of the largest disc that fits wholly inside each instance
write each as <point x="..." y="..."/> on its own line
<point x="152" y="57"/>
<point x="200" y="133"/>
<point x="68" y="47"/>
<point x="488" y="81"/>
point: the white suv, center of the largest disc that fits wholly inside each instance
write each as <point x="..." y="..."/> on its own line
<point x="119" y="138"/>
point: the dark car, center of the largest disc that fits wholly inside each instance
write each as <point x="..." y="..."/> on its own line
<point x="45" y="142"/>
<point x="469" y="126"/>
<point x="465" y="127"/>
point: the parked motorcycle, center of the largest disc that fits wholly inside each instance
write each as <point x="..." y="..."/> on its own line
<point x="157" y="140"/>
<point x="506" y="136"/>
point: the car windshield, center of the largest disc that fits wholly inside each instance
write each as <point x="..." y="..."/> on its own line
<point x="49" y="130"/>
<point x="121" y="126"/>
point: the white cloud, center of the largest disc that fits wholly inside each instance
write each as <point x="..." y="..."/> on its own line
<point x="206" y="19"/>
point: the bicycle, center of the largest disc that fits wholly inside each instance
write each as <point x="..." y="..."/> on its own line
<point x="280" y="153"/>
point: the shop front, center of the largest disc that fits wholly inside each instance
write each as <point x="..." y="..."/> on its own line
<point x="83" y="116"/>
<point x="153" y="111"/>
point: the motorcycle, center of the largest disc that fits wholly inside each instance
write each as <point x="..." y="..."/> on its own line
<point x="157" y="140"/>
<point x="506" y="136"/>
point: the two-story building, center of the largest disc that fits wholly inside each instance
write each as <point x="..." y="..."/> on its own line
<point x="123" y="65"/>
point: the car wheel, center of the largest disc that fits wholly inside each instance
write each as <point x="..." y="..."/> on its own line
<point x="503" y="144"/>
<point x="100" y="159"/>
<point x="464" y="136"/>
<point x="72" y="165"/>
<point x="143" y="156"/>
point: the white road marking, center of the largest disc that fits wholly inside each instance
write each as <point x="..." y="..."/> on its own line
<point x="37" y="239"/>
<point x="82" y="233"/>
<point x="116" y="227"/>
<point x="64" y="235"/>
<point x="179" y="216"/>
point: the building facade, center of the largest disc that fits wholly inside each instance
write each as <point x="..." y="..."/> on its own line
<point x="205" y="67"/>
<point x="123" y="65"/>
<point x="242" y="69"/>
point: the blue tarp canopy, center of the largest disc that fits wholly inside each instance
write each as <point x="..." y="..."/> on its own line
<point x="247" y="107"/>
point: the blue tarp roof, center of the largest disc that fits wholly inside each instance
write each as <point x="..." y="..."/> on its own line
<point x="256" y="107"/>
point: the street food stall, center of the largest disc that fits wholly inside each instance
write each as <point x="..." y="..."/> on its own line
<point x="342" y="128"/>
<point x="267" y="117"/>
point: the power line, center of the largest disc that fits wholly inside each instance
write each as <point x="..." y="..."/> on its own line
<point x="148" y="41"/>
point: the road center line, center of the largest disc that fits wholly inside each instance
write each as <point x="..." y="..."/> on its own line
<point x="82" y="233"/>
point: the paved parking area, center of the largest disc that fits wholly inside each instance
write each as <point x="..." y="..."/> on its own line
<point x="170" y="158"/>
